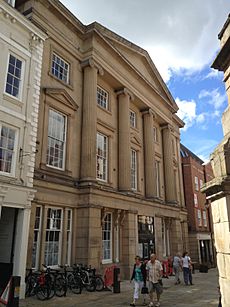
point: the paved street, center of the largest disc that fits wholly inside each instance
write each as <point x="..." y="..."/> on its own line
<point x="203" y="294"/>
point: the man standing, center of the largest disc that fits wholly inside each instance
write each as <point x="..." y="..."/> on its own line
<point x="154" y="275"/>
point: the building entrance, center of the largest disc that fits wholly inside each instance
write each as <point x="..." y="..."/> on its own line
<point x="8" y="218"/>
<point x="146" y="236"/>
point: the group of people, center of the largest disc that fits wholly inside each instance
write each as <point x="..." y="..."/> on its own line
<point x="151" y="271"/>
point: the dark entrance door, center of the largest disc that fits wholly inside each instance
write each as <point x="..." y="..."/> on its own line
<point x="146" y="236"/>
<point x="7" y="234"/>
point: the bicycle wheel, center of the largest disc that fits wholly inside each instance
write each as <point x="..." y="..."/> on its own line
<point x="42" y="292"/>
<point x="30" y="284"/>
<point x="91" y="286"/>
<point x="60" y="286"/>
<point x="99" y="283"/>
<point x="75" y="284"/>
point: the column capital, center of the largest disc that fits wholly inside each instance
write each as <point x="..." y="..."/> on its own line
<point x="125" y="91"/>
<point x="148" y="111"/>
<point x="90" y="62"/>
<point x="167" y="126"/>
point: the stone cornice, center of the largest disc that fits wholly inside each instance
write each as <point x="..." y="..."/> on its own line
<point x="15" y="17"/>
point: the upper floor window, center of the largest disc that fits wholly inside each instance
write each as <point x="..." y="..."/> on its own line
<point x="205" y="218"/>
<point x="60" y="68"/>
<point x="199" y="217"/>
<point x="201" y="183"/>
<point x="133" y="119"/>
<point x="102" y="98"/>
<point x="196" y="184"/>
<point x="56" y="140"/>
<point x="11" y="2"/>
<point x="14" y="77"/>
<point x="133" y="169"/>
<point x="102" y="149"/>
<point x="195" y="200"/>
<point x="7" y="149"/>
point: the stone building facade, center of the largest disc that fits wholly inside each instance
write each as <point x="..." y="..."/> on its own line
<point x="108" y="172"/>
<point x="21" y="47"/>
<point x="218" y="190"/>
<point x="195" y="174"/>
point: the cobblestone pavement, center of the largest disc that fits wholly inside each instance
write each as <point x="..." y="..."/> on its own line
<point x="202" y="294"/>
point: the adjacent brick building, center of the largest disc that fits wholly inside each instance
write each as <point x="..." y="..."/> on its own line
<point x="195" y="174"/>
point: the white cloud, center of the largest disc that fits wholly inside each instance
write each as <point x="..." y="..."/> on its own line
<point x="179" y="35"/>
<point x="214" y="98"/>
<point x="214" y="73"/>
<point x="187" y="112"/>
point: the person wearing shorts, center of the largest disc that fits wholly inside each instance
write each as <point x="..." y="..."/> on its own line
<point x="154" y="275"/>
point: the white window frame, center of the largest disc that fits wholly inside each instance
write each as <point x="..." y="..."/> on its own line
<point x="199" y="217"/>
<point x="69" y="225"/>
<point x="103" y="158"/>
<point x="110" y="240"/>
<point x="38" y="242"/>
<point x="102" y="98"/>
<point x="53" y="229"/>
<point x="205" y="219"/>
<point x="11" y="2"/>
<point x="201" y="183"/>
<point x="133" y="119"/>
<point x="158" y="182"/>
<point x="58" y="140"/>
<point x="195" y="200"/>
<point x="196" y="181"/>
<point x="133" y="170"/>
<point x="14" y="152"/>
<point x="21" y="82"/>
<point x="66" y="81"/>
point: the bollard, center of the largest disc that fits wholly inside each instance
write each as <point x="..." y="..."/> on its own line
<point x="14" y="292"/>
<point x="116" y="280"/>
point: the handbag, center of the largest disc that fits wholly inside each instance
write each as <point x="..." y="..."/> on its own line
<point x="144" y="290"/>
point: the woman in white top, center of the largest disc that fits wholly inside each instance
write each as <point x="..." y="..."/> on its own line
<point x="186" y="264"/>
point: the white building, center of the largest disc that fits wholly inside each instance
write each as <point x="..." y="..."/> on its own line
<point x="21" y="49"/>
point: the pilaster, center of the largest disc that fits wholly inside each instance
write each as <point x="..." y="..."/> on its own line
<point x="170" y="188"/>
<point x="124" y="148"/>
<point x="149" y="154"/>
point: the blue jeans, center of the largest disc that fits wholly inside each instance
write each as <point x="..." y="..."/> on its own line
<point x="186" y="275"/>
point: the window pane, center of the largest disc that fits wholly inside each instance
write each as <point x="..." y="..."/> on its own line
<point x="102" y="98"/>
<point x="102" y="144"/>
<point x="14" y="75"/>
<point x="7" y="144"/>
<point x="60" y="68"/>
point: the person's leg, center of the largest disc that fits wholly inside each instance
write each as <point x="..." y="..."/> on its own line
<point x="151" y="293"/>
<point x="159" y="290"/>
<point x="176" y="271"/>
<point x="186" y="275"/>
<point x="190" y="277"/>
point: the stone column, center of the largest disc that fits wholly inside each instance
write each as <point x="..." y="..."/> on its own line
<point x="89" y="236"/>
<point x="89" y="121"/>
<point x="176" y="236"/>
<point x="124" y="146"/>
<point x="129" y="239"/>
<point x="149" y="154"/>
<point x="170" y="188"/>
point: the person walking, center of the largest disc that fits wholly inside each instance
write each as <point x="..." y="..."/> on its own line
<point x="154" y="275"/>
<point x="177" y="265"/>
<point x="186" y="264"/>
<point x="139" y="278"/>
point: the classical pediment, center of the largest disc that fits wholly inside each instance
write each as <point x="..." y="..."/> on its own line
<point x="62" y="96"/>
<point x="135" y="139"/>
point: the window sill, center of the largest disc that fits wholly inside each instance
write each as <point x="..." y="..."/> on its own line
<point x="12" y="99"/>
<point x="104" y="110"/>
<point x="107" y="261"/>
<point x="54" y="170"/>
<point x="69" y="85"/>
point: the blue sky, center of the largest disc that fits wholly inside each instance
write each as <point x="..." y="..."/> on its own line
<point x="181" y="37"/>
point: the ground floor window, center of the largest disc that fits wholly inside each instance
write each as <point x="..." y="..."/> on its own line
<point x="146" y="236"/>
<point x="68" y="236"/>
<point x="107" y="238"/>
<point x="37" y="235"/>
<point x="53" y="236"/>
